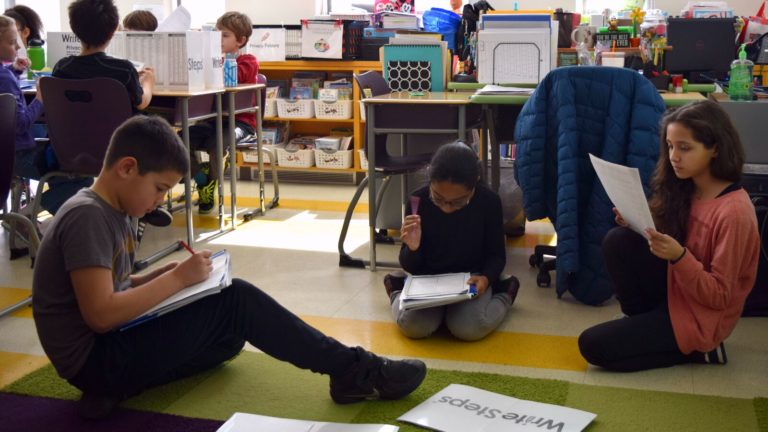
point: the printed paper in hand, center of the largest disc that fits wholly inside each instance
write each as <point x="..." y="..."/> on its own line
<point x="460" y="408"/>
<point x="241" y="422"/>
<point x="623" y="186"/>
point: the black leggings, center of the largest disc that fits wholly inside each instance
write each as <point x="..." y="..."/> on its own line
<point x="645" y="338"/>
<point x="200" y="336"/>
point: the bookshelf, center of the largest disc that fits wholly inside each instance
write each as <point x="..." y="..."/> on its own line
<point x="284" y="70"/>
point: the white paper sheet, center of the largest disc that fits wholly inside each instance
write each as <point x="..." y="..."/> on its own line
<point x="623" y="186"/>
<point x="178" y="21"/>
<point x="242" y="422"/>
<point x="460" y="408"/>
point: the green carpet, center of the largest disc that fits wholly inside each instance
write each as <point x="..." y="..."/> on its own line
<point x="256" y="383"/>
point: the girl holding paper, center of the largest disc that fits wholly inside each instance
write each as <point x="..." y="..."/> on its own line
<point x="454" y="225"/>
<point x="682" y="287"/>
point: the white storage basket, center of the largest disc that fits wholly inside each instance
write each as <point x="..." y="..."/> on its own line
<point x="297" y="159"/>
<point x="299" y="108"/>
<point x="339" y="110"/>
<point x="333" y="158"/>
<point x="270" y="108"/>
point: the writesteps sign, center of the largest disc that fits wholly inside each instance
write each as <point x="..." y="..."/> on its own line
<point x="460" y="408"/>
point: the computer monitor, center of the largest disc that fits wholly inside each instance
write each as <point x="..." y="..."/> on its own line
<point x="749" y="120"/>
<point x="702" y="48"/>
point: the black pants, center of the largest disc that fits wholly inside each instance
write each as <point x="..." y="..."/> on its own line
<point x="200" y="336"/>
<point x="202" y="136"/>
<point x="645" y="339"/>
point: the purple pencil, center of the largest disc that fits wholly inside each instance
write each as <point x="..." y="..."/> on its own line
<point x="415" y="204"/>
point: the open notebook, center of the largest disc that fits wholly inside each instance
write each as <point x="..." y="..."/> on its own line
<point x="220" y="278"/>
<point x="435" y="290"/>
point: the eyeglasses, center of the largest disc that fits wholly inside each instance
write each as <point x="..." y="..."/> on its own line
<point x="456" y="204"/>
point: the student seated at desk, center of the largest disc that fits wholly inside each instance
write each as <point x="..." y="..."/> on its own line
<point x="28" y="23"/>
<point x="457" y="228"/>
<point x="140" y="20"/>
<point x="95" y="22"/>
<point x="236" y="29"/>
<point x="683" y="287"/>
<point x="84" y="293"/>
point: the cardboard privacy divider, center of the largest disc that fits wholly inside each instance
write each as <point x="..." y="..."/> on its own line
<point x="60" y="45"/>
<point x="267" y="44"/>
<point x="182" y="60"/>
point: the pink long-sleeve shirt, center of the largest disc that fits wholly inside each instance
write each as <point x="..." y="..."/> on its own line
<point x="708" y="286"/>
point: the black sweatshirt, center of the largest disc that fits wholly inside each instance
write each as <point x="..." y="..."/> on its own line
<point x="468" y="240"/>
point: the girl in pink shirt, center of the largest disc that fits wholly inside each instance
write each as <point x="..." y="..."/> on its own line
<point x="683" y="286"/>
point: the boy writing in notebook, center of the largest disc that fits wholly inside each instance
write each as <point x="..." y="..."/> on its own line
<point x="236" y="29"/>
<point x="83" y="293"/>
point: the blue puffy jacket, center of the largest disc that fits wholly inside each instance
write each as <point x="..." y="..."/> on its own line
<point x="613" y="113"/>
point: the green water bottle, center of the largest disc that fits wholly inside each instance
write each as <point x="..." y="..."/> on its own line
<point x="740" y="84"/>
<point x="36" y="54"/>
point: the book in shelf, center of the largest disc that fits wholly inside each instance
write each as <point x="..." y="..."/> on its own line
<point x="219" y="278"/>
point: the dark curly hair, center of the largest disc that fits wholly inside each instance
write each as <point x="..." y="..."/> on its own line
<point x="93" y="21"/>
<point x="26" y="18"/>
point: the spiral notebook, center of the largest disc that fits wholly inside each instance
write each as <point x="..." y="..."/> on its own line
<point x="415" y="67"/>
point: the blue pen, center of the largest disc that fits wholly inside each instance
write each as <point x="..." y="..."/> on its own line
<point x="472" y="290"/>
<point x="138" y="321"/>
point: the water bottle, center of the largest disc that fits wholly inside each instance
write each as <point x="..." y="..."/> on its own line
<point x="36" y="54"/>
<point x="230" y="71"/>
<point x="740" y="85"/>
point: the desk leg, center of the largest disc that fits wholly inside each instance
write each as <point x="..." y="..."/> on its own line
<point x="219" y="157"/>
<point x="187" y="178"/>
<point x="490" y="122"/>
<point x="260" y="160"/>
<point x="232" y="140"/>
<point x="371" y="150"/>
<point x="462" y="122"/>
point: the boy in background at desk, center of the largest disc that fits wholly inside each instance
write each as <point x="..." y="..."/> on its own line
<point x="95" y="22"/>
<point x="140" y="20"/>
<point x="236" y="29"/>
<point x="83" y="293"/>
<point x="456" y="227"/>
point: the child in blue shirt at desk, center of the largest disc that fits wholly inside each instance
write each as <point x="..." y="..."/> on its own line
<point x="83" y="293"/>
<point x="456" y="228"/>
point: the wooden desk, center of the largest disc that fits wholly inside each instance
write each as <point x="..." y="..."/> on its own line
<point x="404" y="99"/>
<point x="177" y="103"/>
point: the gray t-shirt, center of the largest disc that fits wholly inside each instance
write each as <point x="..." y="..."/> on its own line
<point x="86" y="232"/>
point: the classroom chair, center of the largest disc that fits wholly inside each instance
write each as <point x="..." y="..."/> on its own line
<point x="613" y="113"/>
<point x="7" y="158"/>
<point x="370" y="84"/>
<point x="81" y="116"/>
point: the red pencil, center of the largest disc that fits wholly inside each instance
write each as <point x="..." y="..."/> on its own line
<point x="186" y="246"/>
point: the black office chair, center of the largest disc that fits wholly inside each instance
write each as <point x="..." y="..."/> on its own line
<point x="371" y="84"/>
<point x="7" y="158"/>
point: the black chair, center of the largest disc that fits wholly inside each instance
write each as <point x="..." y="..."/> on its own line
<point x="387" y="165"/>
<point x="7" y="158"/>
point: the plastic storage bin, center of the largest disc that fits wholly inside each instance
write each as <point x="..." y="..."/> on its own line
<point x="295" y="108"/>
<point x="333" y="158"/>
<point x="297" y="158"/>
<point x="339" y="110"/>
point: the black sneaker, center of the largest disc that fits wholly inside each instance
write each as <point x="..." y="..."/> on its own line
<point x="716" y="356"/>
<point x="394" y="283"/>
<point x="374" y="377"/>
<point x="158" y="217"/>
<point x="96" y="407"/>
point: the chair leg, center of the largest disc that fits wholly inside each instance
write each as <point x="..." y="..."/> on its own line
<point x="344" y="259"/>
<point x="275" y="183"/>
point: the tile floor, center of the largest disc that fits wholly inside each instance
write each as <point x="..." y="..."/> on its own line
<point x="291" y="254"/>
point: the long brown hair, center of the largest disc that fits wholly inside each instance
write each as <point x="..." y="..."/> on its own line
<point x="670" y="196"/>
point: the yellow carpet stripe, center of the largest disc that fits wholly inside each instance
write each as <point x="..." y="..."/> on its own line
<point x="14" y="366"/>
<point x="515" y="349"/>
<point x="10" y="296"/>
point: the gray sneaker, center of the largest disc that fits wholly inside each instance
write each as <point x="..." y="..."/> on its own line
<point x="374" y="377"/>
